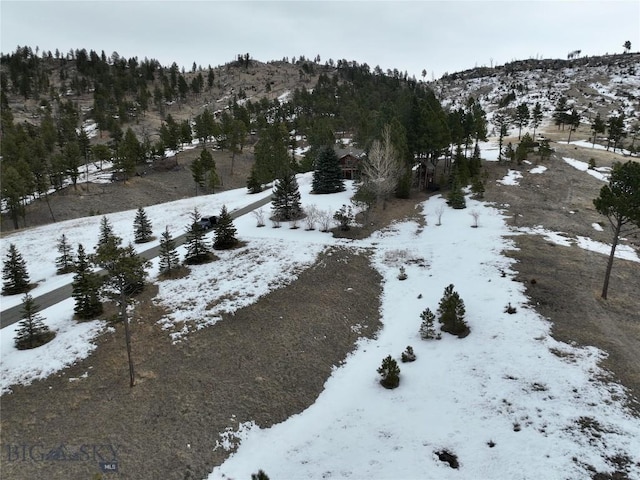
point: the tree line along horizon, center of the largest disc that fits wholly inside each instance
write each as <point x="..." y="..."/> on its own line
<point x="42" y="156"/>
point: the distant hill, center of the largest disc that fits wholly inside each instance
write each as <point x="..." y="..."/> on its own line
<point x="605" y="84"/>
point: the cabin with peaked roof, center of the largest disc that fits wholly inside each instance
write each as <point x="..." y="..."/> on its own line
<point x="350" y="159"/>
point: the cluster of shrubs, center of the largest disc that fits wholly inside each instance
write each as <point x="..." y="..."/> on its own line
<point x="451" y="313"/>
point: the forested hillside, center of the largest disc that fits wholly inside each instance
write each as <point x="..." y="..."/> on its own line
<point x="62" y="112"/>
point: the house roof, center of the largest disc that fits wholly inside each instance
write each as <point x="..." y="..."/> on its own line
<point x="343" y="152"/>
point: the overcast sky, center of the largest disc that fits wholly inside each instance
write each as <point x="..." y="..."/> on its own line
<point x="439" y="36"/>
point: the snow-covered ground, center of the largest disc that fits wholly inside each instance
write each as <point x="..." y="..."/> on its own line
<point x="508" y="400"/>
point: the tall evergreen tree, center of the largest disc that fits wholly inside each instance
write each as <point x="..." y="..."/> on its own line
<point x="197" y="171"/>
<point x="615" y="130"/>
<point x="560" y="113"/>
<point x="327" y="174"/>
<point x="253" y="183"/>
<point x="620" y="203"/>
<point x="126" y="272"/>
<point x="86" y="288"/>
<point x="272" y="159"/>
<point x="598" y="126"/>
<point x="286" y="198"/>
<point x="456" y="199"/>
<point x="573" y="120"/>
<point x="31" y="332"/>
<point x="142" y="227"/>
<point x="521" y="117"/>
<point x="536" y="118"/>
<point x="225" y="231"/>
<point x="168" y="255"/>
<point x="502" y="123"/>
<point x="14" y="273"/>
<point x="64" y="263"/>
<point x="197" y="246"/>
<point x="131" y="154"/>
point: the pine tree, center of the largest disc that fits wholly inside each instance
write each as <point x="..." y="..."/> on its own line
<point x="106" y="232"/>
<point x="286" y="198"/>
<point x="123" y="263"/>
<point x="169" y="259"/>
<point x="619" y="201"/>
<point x="536" y="117"/>
<point x="253" y="184"/>
<point x="225" y="232"/>
<point x="31" y="332"/>
<point x="456" y="199"/>
<point x="390" y="373"/>
<point x="197" y="246"/>
<point x="597" y="127"/>
<point x="427" y="328"/>
<point x="86" y="286"/>
<point x="327" y="176"/>
<point x="126" y="272"/>
<point x="142" y="227"/>
<point x="451" y="313"/>
<point x="64" y="263"/>
<point x="14" y="273"/>
<point x="522" y="117"/>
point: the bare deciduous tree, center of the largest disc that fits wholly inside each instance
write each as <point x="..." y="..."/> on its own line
<point x="475" y="214"/>
<point x="325" y="218"/>
<point x="259" y="216"/>
<point x="312" y="217"/>
<point x="439" y="212"/>
<point x="381" y="170"/>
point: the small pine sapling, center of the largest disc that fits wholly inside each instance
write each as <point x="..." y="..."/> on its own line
<point x="403" y="274"/>
<point x="456" y="198"/>
<point x="427" y="328"/>
<point x="259" y="476"/>
<point x="390" y="373"/>
<point x="14" y="273"/>
<point x="31" y="332"/>
<point x="344" y="217"/>
<point x="198" y="251"/>
<point x="408" y="355"/>
<point x="451" y="313"/>
<point x="169" y="259"/>
<point x="225" y="231"/>
<point x="86" y="288"/>
<point x="65" y="262"/>
<point x="142" y="230"/>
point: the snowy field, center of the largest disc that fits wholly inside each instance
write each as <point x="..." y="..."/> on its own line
<point x="508" y="400"/>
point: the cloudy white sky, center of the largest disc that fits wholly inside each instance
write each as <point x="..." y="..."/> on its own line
<point x="439" y="36"/>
